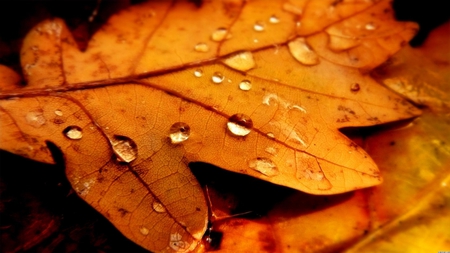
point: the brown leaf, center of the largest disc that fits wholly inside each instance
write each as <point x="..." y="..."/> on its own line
<point x="241" y="87"/>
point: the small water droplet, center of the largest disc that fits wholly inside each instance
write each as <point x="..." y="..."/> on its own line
<point x="73" y="132"/>
<point x="144" y="230"/>
<point x="179" y="132"/>
<point x="58" y="113"/>
<point x="245" y="85"/>
<point x="217" y="77"/>
<point x="270" y="135"/>
<point x="370" y="26"/>
<point x="264" y="165"/>
<point x="298" y="24"/>
<point x="355" y="87"/>
<point x="158" y="207"/>
<point x="240" y="124"/>
<point x="124" y="148"/>
<point x="274" y="19"/>
<point x="259" y="27"/>
<point x="35" y="118"/>
<point x="220" y="34"/>
<point x="289" y="7"/>
<point x="302" y="52"/>
<point x="201" y="47"/>
<point x="255" y="41"/>
<point x="177" y="244"/>
<point x="198" y="73"/>
<point x="242" y="61"/>
<point x="271" y="150"/>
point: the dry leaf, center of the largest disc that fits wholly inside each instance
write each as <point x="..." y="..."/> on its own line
<point x="261" y="90"/>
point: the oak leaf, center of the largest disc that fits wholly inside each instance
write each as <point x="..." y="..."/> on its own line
<point x="258" y="88"/>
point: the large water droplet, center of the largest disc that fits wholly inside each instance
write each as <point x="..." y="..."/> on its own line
<point x="274" y="19"/>
<point x="302" y="52"/>
<point x="217" y="77"/>
<point x="240" y="124"/>
<point x="35" y="118"/>
<point x="124" y="148"/>
<point x="370" y="26"/>
<point x="220" y="34"/>
<point x="241" y="61"/>
<point x="144" y="230"/>
<point x="198" y="73"/>
<point x="259" y="27"/>
<point x="201" y="47"/>
<point x="73" y="132"/>
<point x="177" y="244"/>
<point x="264" y="165"/>
<point x="158" y="207"/>
<point x="245" y="85"/>
<point x="179" y="132"/>
<point x="289" y="7"/>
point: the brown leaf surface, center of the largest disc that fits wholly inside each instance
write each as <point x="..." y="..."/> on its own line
<point x="119" y="99"/>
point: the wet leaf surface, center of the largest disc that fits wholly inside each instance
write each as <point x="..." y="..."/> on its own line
<point x="145" y="99"/>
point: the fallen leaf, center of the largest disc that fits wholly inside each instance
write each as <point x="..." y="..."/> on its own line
<point x="144" y="81"/>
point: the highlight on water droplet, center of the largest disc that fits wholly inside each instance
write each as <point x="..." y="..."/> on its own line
<point x="270" y="135"/>
<point x="158" y="207"/>
<point x="245" y="85"/>
<point x="355" y="87"/>
<point x="370" y="26"/>
<point x="242" y="61"/>
<point x="259" y="26"/>
<point x="179" y="132"/>
<point x="124" y="148"/>
<point x="274" y="19"/>
<point x="35" y="118"/>
<point x="58" y="112"/>
<point x="302" y="52"/>
<point x="264" y="165"/>
<point x="198" y="73"/>
<point x="220" y="34"/>
<point x="144" y="230"/>
<point x="73" y="132"/>
<point x="201" y="47"/>
<point x="217" y="77"/>
<point x="240" y="124"/>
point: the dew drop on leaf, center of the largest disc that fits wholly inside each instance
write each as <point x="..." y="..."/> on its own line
<point x="355" y="87"/>
<point x="259" y="27"/>
<point x="271" y="150"/>
<point x="198" y="73"/>
<point x="158" y="207"/>
<point x="177" y="244"/>
<point x="58" y="113"/>
<point x="124" y="148"/>
<point x="220" y="34"/>
<point x="179" y="132"/>
<point x="201" y="47"/>
<point x="302" y="52"/>
<point x="270" y="135"/>
<point x="73" y="132"/>
<point x="35" y="118"/>
<point x="144" y="230"/>
<point x="240" y="124"/>
<point x="242" y="61"/>
<point x="217" y="78"/>
<point x="245" y="85"/>
<point x="370" y="26"/>
<point x="264" y="165"/>
<point x="274" y="19"/>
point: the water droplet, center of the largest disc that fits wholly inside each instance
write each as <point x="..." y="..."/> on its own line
<point x="179" y="132"/>
<point x="370" y="26"/>
<point x="35" y="118"/>
<point x="144" y="230"/>
<point x="245" y="85"/>
<point x="355" y="87"/>
<point x="289" y="7"/>
<point x="259" y="27"/>
<point x="270" y="135"/>
<point x="240" y="124"/>
<point x="124" y="148"/>
<point x="274" y="19"/>
<point x="220" y="34"/>
<point x="302" y="52"/>
<point x="242" y="61"/>
<point x="255" y="41"/>
<point x="264" y="165"/>
<point x="58" y="113"/>
<point x="201" y="47"/>
<point x="298" y="24"/>
<point x="271" y="150"/>
<point x="177" y="244"/>
<point x="198" y="73"/>
<point x="158" y="207"/>
<point x="217" y="77"/>
<point x="73" y="132"/>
